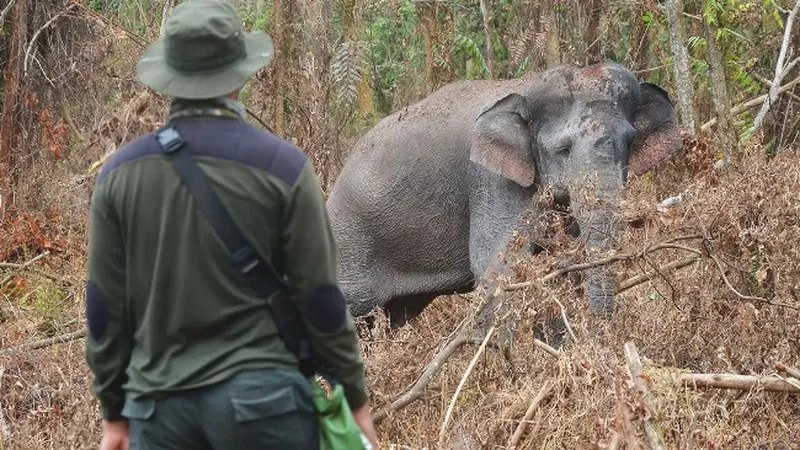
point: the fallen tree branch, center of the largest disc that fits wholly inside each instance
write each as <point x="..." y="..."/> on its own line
<point x="543" y="393"/>
<point x="472" y="363"/>
<point x="791" y="371"/>
<point x="636" y="373"/>
<point x="738" y="382"/>
<point x="601" y="262"/>
<point x="45" y="342"/>
<point x="22" y="266"/>
<point x="649" y="275"/>
<point x="427" y="375"/>
<point x="768" y="82"/>
<point x="547" y="349"/>
<point x="750" y="104"/>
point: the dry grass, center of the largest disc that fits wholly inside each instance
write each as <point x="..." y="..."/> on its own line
<point x="689" y="320"/>
<point x="684" y="321"/>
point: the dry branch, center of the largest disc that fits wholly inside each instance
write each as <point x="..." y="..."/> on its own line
<point x="738" y="382"/>
<point x="791" y="371"/>
<point x="636" y="372"/>
<point x="45" y="342"/>
<point x="5" y="11"/>
<point x="4" y="431"/>
<point x="543" y="393"/>
<point x="452" y="405"/>
<point x="641" y="278"/>
<point x="549" y="350"/>
<point x="780" y="72"/>
<point x="750" y="104"/>
<point x="38" y="32"/>
<point x="601" y="262"/>
<point x="742" y="296"/>
<point x="427" y="375"/>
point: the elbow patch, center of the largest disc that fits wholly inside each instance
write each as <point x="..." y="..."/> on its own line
<point x="326" y="308"/>
<point x="96" y="311"/>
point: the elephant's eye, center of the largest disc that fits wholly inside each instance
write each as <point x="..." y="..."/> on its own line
<point x="563" y="152"/>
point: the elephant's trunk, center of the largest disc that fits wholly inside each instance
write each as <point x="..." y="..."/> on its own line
<point x="600" y="224"/>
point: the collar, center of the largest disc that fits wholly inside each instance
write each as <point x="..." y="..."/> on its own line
<point x="219" y="107"/>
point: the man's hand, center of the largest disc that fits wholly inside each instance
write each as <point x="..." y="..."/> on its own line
<point x="363" y="418"/>
<point x="115" y="435"/>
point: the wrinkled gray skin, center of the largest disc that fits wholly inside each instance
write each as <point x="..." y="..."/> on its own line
<point x="431" y="194"/>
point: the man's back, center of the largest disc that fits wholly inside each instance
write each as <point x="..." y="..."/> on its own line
<point x="196" y="317"/>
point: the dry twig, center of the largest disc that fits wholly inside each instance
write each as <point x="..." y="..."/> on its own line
<point x="647" y="276"/>
<point x="739" y="382"/>
<point x="636" y="372"/>
<point x="780" y="72"/>
<point x="45" y="342"/>
<point x="601" y="262"/>
<point x="549" y="350"/>
<point x="791" y="371"/>
<point x="22" y="266"/>
<point x="5" y="11"/>
<point x="4" y="431"/>
<point x="427" y="375"/>
<point x="750" y="104"/>
<point x="38" y="32"/>
<point x="452" y="405"/>
<point x="543" y="393"/>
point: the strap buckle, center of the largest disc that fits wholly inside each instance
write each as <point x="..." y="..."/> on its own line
<point x="245" y="259"/>
<point x="170" y="140"/>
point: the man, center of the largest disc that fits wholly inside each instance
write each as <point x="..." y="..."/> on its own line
<point x="184" y="354"/>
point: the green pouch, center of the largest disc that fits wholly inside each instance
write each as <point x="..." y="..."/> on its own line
<point x="337" y="428"/>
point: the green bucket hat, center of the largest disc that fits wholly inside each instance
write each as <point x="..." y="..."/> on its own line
<point x="204" y="52"/>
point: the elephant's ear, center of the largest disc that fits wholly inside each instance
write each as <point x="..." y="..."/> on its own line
<point x="500" y="140"/>
<point x="657" y="132"/>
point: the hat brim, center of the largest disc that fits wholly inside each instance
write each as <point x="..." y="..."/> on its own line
<point x="154" y="72"/>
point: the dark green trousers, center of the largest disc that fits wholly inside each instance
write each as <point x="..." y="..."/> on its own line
<point x="263" y="409"/>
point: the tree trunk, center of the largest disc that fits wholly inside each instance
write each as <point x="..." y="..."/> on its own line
<point x="278" y="64"/>
<point x="165" y="12"/>
<point x="487" y="33"/>
<point x="683" y="76"/>
<point x="726" y="136"/>
<point x="552" y="52"/>
<point x="12" y="100"/>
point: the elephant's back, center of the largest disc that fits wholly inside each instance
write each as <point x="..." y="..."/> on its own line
<point x="427" y="137"/>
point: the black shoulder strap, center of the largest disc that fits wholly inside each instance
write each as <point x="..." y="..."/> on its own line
<point x="244" y="257"/>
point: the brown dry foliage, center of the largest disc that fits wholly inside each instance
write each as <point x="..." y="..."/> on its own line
<point x="684" y="321"/>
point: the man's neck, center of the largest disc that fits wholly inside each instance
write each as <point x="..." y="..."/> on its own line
<point x="220" y="106"/>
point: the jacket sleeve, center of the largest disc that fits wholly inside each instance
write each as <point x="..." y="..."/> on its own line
<point x="310" y="253"/>
<point x="108" y="343"/>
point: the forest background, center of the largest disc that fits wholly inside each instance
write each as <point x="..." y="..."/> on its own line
<point x="69" y="97"/>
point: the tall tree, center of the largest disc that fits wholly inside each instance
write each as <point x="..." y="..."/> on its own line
<point x="12" y="99"/>
<point x="726" y="136"/>
<point x="552" y="48"/>
<point x="683" y="76"/>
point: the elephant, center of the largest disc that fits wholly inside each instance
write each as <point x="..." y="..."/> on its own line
<point x="428" y="197"/>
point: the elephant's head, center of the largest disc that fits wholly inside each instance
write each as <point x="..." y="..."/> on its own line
<point x="580" y="133"/>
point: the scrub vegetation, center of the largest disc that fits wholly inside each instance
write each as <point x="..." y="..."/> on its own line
<point x="706" y="335"/>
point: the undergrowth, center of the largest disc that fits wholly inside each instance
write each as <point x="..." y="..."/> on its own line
<point x="734" y="310"/>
